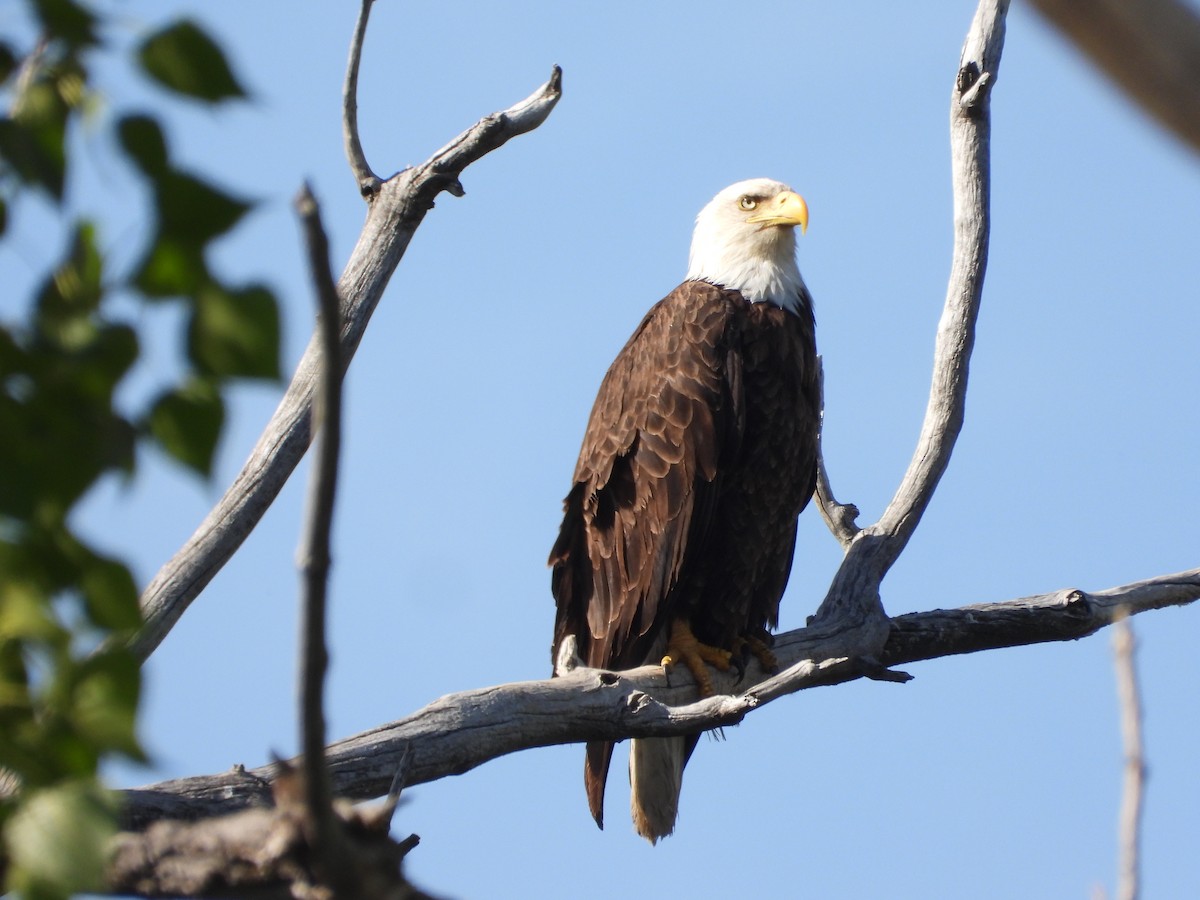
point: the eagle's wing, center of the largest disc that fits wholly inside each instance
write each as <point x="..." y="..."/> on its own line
<point x="668" y="412"/>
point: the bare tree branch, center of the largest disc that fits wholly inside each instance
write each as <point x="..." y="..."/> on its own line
<point x="852" y="604"/>
<point x="393" y="217"/>
<point x="26" y="73"/>
<point x="1129" y="832"/>
<point x="839" y="517"/>
<point x="330" y="852"/>
<point x="263" y="852"/>
<point x="1150" y="48"/>
<point x="851" y="636"/>
<point x="464" y="730"/>
<point x="368" y="181"/>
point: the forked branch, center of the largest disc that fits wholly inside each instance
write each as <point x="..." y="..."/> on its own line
<point x="399" y="208"/>
<point x="852" y="604"/>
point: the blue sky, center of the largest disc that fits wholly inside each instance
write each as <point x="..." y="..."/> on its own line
<point x="990" y="775"/>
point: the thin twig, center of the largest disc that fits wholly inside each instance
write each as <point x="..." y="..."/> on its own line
<point x="1128" y="872"/>
<point x="970" y="134"/>
<point x="839" y="517"/>
<point x="314" y="556"/>
<point x="28" y="71"/>
<point x="1150" y="48"/>
<point x="368" y="181"/>
<point x="392" y="219"/>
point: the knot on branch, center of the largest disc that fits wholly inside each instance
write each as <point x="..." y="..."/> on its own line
<point x="1073" y="596"/>
<point x="428" y="184"/>
<point x="873" y="669"/>
<point x="842" y="519"/>
<point x="973" y="87"/>
<point x="1078" y="604"/>
<point x="637" y="701"/>
<point x="369" y="186"/>
<point x="567" y="659"/>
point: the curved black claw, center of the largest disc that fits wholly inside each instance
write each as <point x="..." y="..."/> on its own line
<point x="738" y="661"/>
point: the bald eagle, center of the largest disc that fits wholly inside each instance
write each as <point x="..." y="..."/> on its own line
<point x="700" y="452"/>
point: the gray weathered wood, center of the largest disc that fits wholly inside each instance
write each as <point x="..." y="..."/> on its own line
<point x="394" y="213"/>
<point x="851" y="617"/>
<point x="262" y="853"/>
<point x="851" y="637"/>
<point x="464" y="730"/>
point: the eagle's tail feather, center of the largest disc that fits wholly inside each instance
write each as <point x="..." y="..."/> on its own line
<point x="595" y="774"/>
<point x="655" y="780"/>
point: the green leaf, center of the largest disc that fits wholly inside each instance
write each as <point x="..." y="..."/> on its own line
<point x="183" y="58"/>
<point x="24" y="612"/>
<point x="68" y="21"/>
<point x="235" y="333"/>
<point x="171" y="268"/>
<point x="32" y="141"/>
<point x="15" y="705"/>
<point x="143" y="141"/>
<point x="105" y="702"/>
<point x="109" y="594"/>
<point x="187" y="421"/>
<point x="73" y="292"/>
<point x="8" y="61"/>
<point x="59" y="425"/>
<point x="76" y="814"/>
<point x="193" y="211"/>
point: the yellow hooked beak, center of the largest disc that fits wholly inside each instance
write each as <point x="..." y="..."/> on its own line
<point x="787" y="208"/>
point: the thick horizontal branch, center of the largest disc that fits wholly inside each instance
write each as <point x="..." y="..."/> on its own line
<point x="1064" y="615"/>
<point x="393" y="216"/>
<point x="461" y="731"/>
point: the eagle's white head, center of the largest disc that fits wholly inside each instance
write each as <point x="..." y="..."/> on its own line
<point x="745" y="240"/>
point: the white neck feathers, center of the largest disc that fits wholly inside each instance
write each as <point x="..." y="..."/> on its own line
<point x="758" y="260"/>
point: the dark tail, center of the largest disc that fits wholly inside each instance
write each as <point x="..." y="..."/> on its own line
<point x="595" y="774"/>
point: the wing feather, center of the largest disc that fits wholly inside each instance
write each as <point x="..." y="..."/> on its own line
<point x="667" y="412"/>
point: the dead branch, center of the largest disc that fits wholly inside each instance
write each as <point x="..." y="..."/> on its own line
<point x="1129" y="832"/>
<point x="398" y="209"/>
<point x="368" y="181"/>
<point x="263" y="852"/>
<point x="839" y="517"/>
<point x="1150" y="48"/>
<point x="331" y="852"/>
<point x="464" y="730"/>
<point x="852" y="607"/>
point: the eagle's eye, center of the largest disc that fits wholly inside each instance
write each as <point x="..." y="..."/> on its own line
<point x="747" y="203"/>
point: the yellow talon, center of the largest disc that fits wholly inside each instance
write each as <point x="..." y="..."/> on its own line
<point x="682" y="646"/>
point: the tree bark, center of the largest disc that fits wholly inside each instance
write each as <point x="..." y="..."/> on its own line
<point x="851" y="636"/>
<point x="1149" y="48"/>
<point x="396" y="209"/>
<point x="464" y="730"/>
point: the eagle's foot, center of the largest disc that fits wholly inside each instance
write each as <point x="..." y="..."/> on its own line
<point x="760" y="648"/>
<point x="682" y="646"/>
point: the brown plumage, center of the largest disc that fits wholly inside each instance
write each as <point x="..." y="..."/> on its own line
<point x="699" y="454"/>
